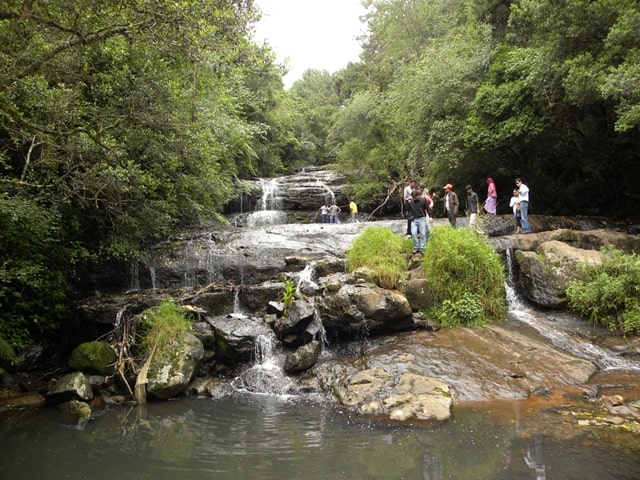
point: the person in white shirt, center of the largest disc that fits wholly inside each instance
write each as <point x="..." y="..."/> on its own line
<point x="523" y="196"/>
<point x="514" y="203"/>
<point x="406" y="195"/>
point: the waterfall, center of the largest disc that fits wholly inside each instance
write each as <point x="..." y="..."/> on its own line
<point x="266" y="375"/>
<point x="563" y="330"/>
<point x="269" y="210"/>
<point x="305" y="282"/>
<point x="134" y="275"/>
<point x="330" y="196"/>
<point x="237" y="311"/>
<point x="119" y="315"/>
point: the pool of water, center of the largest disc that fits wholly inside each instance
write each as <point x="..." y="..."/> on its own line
<point x="269" y="437"/>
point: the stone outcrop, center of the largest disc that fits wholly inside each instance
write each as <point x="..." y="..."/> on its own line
<point x="94" y="357"/>
<point x="402" y="397"/>
<point x="360" y="310"/>
<point x="170" y="376"/>
<point x="385" y="357"/>
<point x="547" y="262"/>
<point x="73" y="386"/>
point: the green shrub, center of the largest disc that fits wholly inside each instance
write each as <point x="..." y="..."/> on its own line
<point x="163" y="327"/>
<point x="383" y="252"/>
<point x="465" y="278"/>
<point x="609" y="294"/>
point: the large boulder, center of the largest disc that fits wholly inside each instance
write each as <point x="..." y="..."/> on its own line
<point x="170" y="375"/>
<point x="303" y="358"/>
<point x="360" y="310"/>
<point x="545" y="274"/>
<point x="74" y="386"/>
<point x="238" y="337"/>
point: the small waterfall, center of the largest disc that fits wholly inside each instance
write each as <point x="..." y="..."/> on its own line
<point x="562" y="330"/>
<point x="266" y="375"/>
<point x="270" y="210"/>
<point x="237" y="311"/>
<point x="134" y="276"/>
<point x="119" y="315"/>
<point x="152" y="274"/>
<point x="305" y="282"/>
<point x="330" y="196"/>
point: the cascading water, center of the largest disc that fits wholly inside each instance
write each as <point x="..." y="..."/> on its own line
<point x="266" y="375"/>
<point x="563" y="330"/>
<point x="305" y="282"/>
<point x="270" y="210"/>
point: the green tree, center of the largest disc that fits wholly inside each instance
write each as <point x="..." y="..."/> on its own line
<point x="123" y="121"/>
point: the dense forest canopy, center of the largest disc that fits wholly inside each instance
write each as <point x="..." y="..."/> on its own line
<point x="122" y="121"/>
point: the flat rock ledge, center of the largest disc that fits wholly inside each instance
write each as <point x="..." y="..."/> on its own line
<point x="397" y="396"/>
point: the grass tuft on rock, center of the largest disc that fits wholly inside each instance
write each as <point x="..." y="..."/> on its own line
<point x="164" y="327"/>
<point x="383" y="253"/>
<point x="465" y="278"/>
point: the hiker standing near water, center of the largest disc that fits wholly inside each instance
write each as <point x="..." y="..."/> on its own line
<point x="406" y="196"/>
<point x="523" y="195"/>
<point x="334" y="210"/>
<point x="450" y="204"/>
<point x="353" y="208"/>
<point x="324" y="214"/>
<point x="473" y="205"/>
<point x="419" y="232"/>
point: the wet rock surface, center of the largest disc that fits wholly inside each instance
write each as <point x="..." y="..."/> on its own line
<point x="416" y="374"/>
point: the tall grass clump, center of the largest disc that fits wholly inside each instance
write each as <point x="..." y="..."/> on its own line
<point x="609" y="294"/>
<point x="465" y="278"/>
<point x="163" y="328"/>
<point x="383" y="252"/>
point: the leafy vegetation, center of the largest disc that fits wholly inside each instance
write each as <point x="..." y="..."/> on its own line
<point x="383" y="253"/>
<point x="122" y="122"/>
<point x="163" y="329"/>
<point x="465" y="278"/>
<point x="289" y="293"/>
<point x="609" y="294"/>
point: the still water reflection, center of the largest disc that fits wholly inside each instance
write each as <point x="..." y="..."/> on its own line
<point x="263" y="437"/>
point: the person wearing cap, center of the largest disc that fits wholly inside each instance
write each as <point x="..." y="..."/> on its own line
<point x="473" y="205"/>
<point x="451" y="204"/>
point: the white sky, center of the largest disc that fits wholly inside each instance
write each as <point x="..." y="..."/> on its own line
<point x="317" y="34"/>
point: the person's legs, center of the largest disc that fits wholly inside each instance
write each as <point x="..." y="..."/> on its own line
<point x="524" y="214"/>
<point x="422" y="231"/>
<point x="472" y="219"/>
<point x="414" y="235"/>
<point x="452" y="219"/>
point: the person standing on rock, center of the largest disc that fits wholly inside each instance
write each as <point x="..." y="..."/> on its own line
<point x="491" y="203"/>
<point x="523" y="196"/>
<point x="514" y="203"/>
<point x="473" y="205"/>
<point x="451" y="204"/>
<point x="419" y="232"/>
<point x="334" y="210"/>
<point x="406" y="195"/>
<point x="353" y="208"/>
<point x="324" y="213"/>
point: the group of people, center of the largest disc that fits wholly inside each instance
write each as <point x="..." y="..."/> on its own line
<point x="419" y="207"/>
<point x="329" y="213"/>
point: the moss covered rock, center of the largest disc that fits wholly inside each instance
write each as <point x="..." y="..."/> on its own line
<point x="94" y="357"/>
